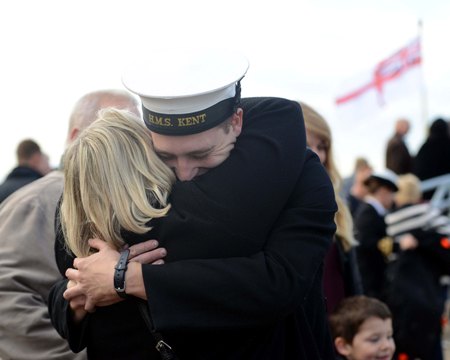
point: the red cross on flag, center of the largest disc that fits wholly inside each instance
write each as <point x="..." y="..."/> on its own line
<point x="394" y="77"/>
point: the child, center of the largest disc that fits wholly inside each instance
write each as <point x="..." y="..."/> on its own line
<point x="361" y="327"/>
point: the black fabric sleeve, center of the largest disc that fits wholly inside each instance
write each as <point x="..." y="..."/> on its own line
<point x="369" y="228"/>
<point x="273" y="198"/>
<point x="436" y="248"/>
<point x="64" y="258"/>
<point x="59" y="312"/>
<point x="257" y="289"/>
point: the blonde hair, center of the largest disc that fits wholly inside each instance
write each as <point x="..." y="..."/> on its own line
<point x="113" y="180"/>
<point x="409" y="191"/>
<point x="316" y="124"/>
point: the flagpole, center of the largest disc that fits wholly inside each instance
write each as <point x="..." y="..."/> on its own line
<point x="423" y="92"/>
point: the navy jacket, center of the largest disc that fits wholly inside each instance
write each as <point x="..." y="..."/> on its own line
<point x="370" y="228"/>
<point x="18" y="177"/>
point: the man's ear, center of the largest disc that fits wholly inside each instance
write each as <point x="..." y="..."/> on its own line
<point x="236" y="121"/>
<point x="342" y="346"/>
<point x="73" y="134"/>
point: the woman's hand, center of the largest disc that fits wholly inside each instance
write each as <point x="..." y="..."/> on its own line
<point x="147" y="253"/>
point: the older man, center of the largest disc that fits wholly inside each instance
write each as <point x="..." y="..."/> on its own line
<point x="398" y="158"/>
<point x="27" y="236"/>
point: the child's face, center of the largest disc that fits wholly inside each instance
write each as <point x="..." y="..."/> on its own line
<point x="373" y="341"/>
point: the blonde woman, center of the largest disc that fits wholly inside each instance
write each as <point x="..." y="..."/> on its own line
<point x="341" y="275"/>
<point x="113" y="181"/>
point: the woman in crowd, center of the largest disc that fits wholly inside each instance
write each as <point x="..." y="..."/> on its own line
<point x="341" y="275"/>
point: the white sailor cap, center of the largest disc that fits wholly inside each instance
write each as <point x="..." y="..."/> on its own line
<point x="385" y="177"/>
<point x="189" y="92"/>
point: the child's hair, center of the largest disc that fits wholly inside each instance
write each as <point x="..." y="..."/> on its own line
<point x="113" y="181"/>
<point x="351" y="312"/>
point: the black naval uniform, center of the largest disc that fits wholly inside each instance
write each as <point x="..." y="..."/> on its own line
<point x="246" y="243"/>
<point x="370" y="228"/>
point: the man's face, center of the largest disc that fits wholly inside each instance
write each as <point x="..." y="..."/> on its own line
<point x="373" y="341"/>
<point x="193" y="155"/>
<point x="386" y="197"/>
<point x="402" y="127"/>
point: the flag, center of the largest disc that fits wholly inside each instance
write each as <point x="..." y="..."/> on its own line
<point x="369" y="103"/>
<point x="388" y="80"/>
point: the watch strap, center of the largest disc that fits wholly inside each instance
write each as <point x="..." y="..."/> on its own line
<point x="119" y="273"/>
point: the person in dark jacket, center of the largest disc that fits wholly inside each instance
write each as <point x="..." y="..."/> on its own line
<point x="398" y="158"/>
<point x="341" y="274"/>
<point x="32" y="165"/>
<point x="246" y="235"/>
<point x="433" y="157"/>
<point x="414" y="292"/>
<point x="370" y="230"/>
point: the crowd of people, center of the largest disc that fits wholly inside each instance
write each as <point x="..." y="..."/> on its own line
<point x="403" y="251"/>
<point x="404" y="265"/>
<point x="219" y="227"/>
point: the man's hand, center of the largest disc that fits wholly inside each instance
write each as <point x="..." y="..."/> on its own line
<point x="92" y="276"/>
<point x="408" y="242"/>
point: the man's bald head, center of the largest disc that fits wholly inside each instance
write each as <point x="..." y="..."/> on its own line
<point x="86" y="108"/>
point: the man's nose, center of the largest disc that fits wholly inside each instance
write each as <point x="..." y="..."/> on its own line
<point x="185" y="170"/>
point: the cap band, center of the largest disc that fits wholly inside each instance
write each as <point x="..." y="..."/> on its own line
<point x="191" y="123"/>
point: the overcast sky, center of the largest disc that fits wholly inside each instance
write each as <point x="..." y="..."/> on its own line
<point x="54" y="51"/>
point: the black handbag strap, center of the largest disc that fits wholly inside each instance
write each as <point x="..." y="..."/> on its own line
<point x="165" y="350"/>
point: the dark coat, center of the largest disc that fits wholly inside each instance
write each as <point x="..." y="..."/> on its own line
<point x="414" y="293"/>
<point x="341" y="277"/>
<point x="350" y="269"/>
<point x="415" y="298"/>
<point x="353" y="205"/>
<point x="370" y="228"/>
<point x="18" y="177"/>
<point x="398" y="158"/>
<point x="433" y="157"/>
<point x="246" y="243"/>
